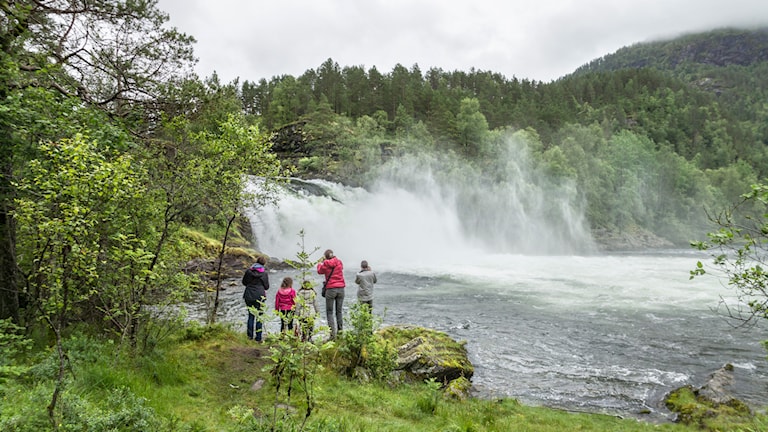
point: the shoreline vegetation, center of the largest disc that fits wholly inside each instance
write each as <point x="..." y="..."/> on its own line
<point x="201" y="377"/>
<point x="692" y="407"/>
<point x="206" y="378"/>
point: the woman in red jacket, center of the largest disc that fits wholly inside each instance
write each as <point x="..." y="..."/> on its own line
<point x="334" y="284"/>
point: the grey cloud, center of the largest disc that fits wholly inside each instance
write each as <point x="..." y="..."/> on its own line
<point x="539" y="40"/>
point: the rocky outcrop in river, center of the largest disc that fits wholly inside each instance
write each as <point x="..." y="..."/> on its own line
<point x="713" y="400"/>
<point x="631" y="239"/>
<point x="425" y="354"/>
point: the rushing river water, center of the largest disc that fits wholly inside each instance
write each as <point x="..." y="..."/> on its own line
<point x="547" y="320"/>
<point x="608" y="334"/>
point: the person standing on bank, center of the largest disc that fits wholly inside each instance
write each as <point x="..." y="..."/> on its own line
<point x="256" y="281"/>
<point x="365" y="279"/>
<point x="285" y="303"/>
<point x="306" y="310"/>
<point x="334" y="284"/>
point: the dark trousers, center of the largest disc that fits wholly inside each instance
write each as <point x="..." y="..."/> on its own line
<point x="286" y="320"/>
<point x="306" y="327"/>
<point x="255" y="321"/>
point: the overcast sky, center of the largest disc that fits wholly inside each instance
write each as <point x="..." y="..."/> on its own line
<point x="534" y="39"/>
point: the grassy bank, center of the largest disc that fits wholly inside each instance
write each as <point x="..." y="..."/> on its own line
<point x="212" y="379"/>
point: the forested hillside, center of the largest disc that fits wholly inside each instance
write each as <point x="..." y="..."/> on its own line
<point x="653" y="135"/>
<point x="730" y="64"/>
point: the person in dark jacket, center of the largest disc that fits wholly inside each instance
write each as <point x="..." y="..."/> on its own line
<point x="333" y="269"/>
<point x="256" y="281"/>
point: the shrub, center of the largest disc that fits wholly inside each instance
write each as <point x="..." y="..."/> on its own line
<point x="123" y="411"/>
<point x="362" y="347"/>
<point x="12" y="344"/>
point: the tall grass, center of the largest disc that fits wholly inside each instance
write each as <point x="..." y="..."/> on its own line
<point x="203" y="380"/>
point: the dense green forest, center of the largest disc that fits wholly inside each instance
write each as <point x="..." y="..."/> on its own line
<point x="116" y="159"/>
<point x="653" y="136"/>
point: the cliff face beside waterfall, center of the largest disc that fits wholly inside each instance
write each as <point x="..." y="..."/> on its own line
<point x="632" y="239"/>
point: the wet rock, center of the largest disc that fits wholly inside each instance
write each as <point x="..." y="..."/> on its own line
<point x="459" y="389"/>
<point x="711" y="401"/>
<point x="233" y="265"/>
<point x="715" y="390"/>
<point x="631" y="238"/>
<point x="425" y="354"/>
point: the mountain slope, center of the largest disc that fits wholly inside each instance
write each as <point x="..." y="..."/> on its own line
<point x="730" y="63"/>
<point x="719" y="48"/>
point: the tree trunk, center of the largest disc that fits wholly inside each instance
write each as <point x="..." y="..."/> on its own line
<point x="212" y="318"/>
<point x="9" y="292"/>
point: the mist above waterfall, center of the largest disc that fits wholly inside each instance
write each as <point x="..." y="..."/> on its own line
<point x="427" y="209"/>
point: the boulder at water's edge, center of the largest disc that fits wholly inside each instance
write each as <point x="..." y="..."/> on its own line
<point x="425" y="354"/>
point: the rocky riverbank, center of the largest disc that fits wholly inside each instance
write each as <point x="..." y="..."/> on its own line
<point x="237" y="259"/>
<point x="634" y="238"/>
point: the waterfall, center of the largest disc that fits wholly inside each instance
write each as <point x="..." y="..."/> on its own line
<point x="426" y="210"/>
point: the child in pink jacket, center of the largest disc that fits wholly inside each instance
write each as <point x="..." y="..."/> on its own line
<point x="285" y="302"/>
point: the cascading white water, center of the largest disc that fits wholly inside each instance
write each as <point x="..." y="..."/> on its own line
<point x="504" y="260"/>
<point x="423" y="210"/>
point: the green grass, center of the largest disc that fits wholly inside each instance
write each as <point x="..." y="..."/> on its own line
<point x="202" y="382"/>
<point x="375" y="407"/>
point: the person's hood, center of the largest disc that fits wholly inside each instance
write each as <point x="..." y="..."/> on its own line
<point x="258" y="268"/>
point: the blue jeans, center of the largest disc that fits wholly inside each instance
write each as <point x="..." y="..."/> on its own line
<point x="334" y="299"/>
<point x="255" y="321"/>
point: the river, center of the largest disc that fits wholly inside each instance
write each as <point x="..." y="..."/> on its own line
<point x="551" y="323"/>
<point x="610" y="333"/>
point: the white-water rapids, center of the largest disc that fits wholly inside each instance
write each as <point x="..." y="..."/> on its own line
<point x="549" y="322"/>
